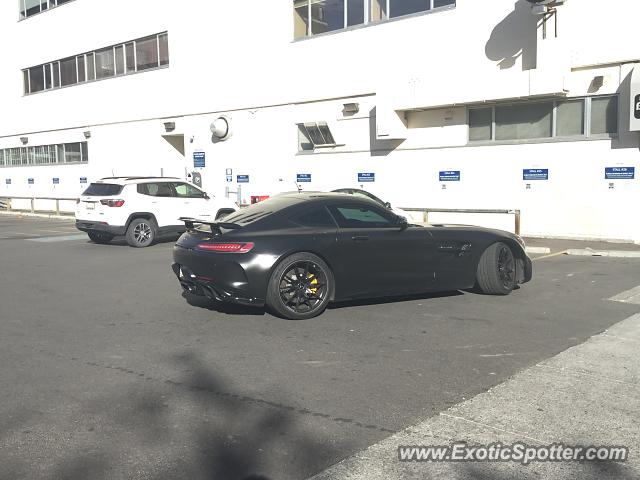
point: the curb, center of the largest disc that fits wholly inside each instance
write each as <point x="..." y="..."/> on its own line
<point x="537" y="250"/>
<point x="589" y="252"/>
<point x="37" y="215"/>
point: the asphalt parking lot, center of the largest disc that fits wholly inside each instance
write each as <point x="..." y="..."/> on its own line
<point x="109" y="372"/>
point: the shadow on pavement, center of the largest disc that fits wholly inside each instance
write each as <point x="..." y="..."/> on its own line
<point x="394" y="299"/>
<point x="193" y="428"/>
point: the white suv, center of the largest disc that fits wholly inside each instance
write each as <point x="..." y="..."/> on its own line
<point x="141" y="208"/>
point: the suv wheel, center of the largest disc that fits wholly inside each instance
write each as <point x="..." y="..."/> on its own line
<point x="141" y="232"/>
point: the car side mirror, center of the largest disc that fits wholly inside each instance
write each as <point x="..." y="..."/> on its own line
<point x="387" y="205"/>
<point x="402" y="222"/>
<point x="205" y="196"/>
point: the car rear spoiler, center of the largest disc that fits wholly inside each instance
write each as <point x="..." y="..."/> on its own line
<point x="215" y="227"/>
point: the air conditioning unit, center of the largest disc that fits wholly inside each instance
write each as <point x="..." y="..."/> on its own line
<point x="540" y="7"/>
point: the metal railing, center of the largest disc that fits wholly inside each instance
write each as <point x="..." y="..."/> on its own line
<point x="7" y="201"/>
<point x="427" y="211"/>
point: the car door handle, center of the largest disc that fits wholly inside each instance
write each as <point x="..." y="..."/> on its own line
<point x="360" y="238"/>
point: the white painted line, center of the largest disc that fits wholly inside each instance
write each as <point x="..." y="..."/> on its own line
<point x="538" y="250"/>
<point x="589" y="252"/>
<point x="630" y="296"/>
<point x="550" y="255"/>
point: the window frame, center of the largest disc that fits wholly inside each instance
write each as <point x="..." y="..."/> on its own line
<point x="90" y="73"/>
<point x="303" y="129"/>
<point x="367" y="17"/>
<point x="43" y="155"/>
<point x="384" y="213"/>
<point x="586" y="121"/>
<point x="50" y="4"/>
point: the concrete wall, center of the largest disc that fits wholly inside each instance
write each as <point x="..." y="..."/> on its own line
<point x="240" y="59"/>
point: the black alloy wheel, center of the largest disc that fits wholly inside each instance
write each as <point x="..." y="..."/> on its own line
<point x="300" y="287"/>
<point x="506" y="267"/>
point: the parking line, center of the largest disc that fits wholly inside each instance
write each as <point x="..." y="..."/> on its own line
<point x="549" y="256"/>
<point x="630" y="296"/>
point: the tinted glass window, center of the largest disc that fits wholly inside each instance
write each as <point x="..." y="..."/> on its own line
<point x="604" y="115"/>
<point x="522" y="122"/>
<point x="103" y="189"/>
<point x="162" y="189"/>
<point x="262" y="209"/>
<point x="185" y="190"/>
<point x="318" y="217"/>
<point x="361" y="217"/>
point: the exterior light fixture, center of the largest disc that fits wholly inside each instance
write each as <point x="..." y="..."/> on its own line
<point x="351" y="108"/>
<point x="169" y="126"/>
<point x="24" y="140"/>
<point x="221" y="128"/>
<point x="87" y="134"/>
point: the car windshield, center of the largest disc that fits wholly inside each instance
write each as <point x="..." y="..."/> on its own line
<point x="103" y="189"/>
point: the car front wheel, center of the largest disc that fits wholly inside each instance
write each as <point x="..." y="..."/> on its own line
<point x="496" y="273"/>
<point x="141" y="232"/>
<point x="300" y="287"/>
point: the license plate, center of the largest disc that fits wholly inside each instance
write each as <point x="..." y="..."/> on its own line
<point x="91" y="206"/>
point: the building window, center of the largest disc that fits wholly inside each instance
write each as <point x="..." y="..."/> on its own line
<point x="123" y="59"/>
<point x="313" y="135"/>
<point x="564" y="119"/>
<point x="522" y="122"/>
<point x="604" y="116"/>
<point x="61" y="153"/>
<point x="314" y="17"/>
<point x="32" y="7"/>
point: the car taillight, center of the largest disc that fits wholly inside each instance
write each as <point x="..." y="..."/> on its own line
<point x="112" y="203"/>
<point x="226" y="247"/>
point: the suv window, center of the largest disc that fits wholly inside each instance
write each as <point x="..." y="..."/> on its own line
<point x="354" y="216"/>
<point x="184" y="190"/>
<point x="103" y="189"/>
<point x="160" y="189"/>
<point x="318" y="217"/>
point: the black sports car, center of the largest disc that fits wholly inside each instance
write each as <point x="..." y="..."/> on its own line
<point x="298" y="252"/>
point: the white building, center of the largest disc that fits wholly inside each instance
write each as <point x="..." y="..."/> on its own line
<point x="449" y="104"/>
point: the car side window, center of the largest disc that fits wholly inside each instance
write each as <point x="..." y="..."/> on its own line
<point x="355" y="216"/>
<point x="154" y="189"/>
<point x="184" y="190"/>
<point x="318" y="217"/>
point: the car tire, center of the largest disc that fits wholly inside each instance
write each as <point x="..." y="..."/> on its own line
<point x="141" y="233"/>
<point x="300" y="287"/>
<point x="100" y="237"/>
<point x="496" y="272"/>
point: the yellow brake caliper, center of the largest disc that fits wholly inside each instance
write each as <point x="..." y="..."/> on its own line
<point x="314" y="281"/>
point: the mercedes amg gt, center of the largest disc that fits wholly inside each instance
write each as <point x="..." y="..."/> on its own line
<point x="297" y="253"/>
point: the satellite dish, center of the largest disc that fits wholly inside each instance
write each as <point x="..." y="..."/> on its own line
<point x="221" y="128"/>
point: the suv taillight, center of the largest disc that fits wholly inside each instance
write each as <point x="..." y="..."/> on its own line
<point x="226" y="247"/>
<point x="112" y="203"/>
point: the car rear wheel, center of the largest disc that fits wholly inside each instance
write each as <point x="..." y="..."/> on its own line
<point x="300" y="287"/>
<point x="497" y="270"/>
<point x="99" y="237"/>
<point x="141" y="232"/>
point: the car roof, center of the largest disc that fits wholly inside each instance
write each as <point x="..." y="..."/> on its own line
<point x="133" y="179"/>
